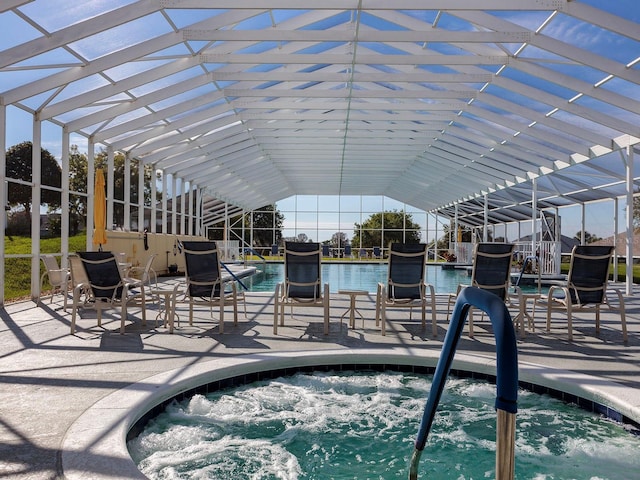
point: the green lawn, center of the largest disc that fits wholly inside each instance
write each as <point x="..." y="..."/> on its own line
<point x="18" y="270"/>
<point x="622" y="272"/>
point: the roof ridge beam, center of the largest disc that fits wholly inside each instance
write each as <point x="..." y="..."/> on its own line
<point x="346" y="35"/>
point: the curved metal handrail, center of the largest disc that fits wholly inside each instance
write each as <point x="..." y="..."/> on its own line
<point x="528" y="260"/>
<point x="506" y="381"/>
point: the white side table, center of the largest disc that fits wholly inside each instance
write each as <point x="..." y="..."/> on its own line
<point x="167" y="311"/>
<point x="352" y="310"/>
<point x="523" y="312"/>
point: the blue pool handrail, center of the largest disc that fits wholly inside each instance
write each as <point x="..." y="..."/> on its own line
<point x="528" y="260"/>
<point x="506" y="378"/>
<point x="253" y="252"/>
<point x="235" y="277"/>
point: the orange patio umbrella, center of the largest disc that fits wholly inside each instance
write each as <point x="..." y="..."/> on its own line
<point x="99" y="210"/>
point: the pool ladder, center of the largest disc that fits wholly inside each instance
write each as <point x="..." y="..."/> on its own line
<point x="506" y="378"/>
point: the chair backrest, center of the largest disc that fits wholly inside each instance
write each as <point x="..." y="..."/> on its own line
<point x="347" y="250"/>
<point x="146" y="275"/>
<point x="589" y="273"/>
<point x="56" y="275"/>
<point x="325" y="250"/>
<point x="202" y="265"/>
<point x="302" y="269"/>
<point x="103" y="273"/>
<point x="407" y="264"/>
<point x="78" y="273"/>
<point x="50" y="262"/>
<point x="376" y="252"/>
<point x="492" y="267"/>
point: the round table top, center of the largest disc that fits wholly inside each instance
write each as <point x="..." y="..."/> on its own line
<point x="161" y="291"/>
<point x="353" y="292"/>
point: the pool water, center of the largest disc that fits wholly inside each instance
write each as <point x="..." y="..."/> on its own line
<point x="357" y="425"/>
<point x="355" y="276"/>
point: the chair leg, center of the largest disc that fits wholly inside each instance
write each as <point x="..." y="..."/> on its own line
<point x="123" y="317"/>
<point x="276" y="301"/>
<point x="378" y="299"/>
<point x="235" y="305"/>
<point x="282" y="313"/>
<point x="383" y="315"/>
<point x="569" y="321"/>
<point x="623" y="318"/>
<point x="434" y="324"/>
<point x="144" y="308"/>
<point x="74" y="311"/>
<point x="325" y="301"/>
<point x="326" y="317"/>
<point x="221" y="325"/>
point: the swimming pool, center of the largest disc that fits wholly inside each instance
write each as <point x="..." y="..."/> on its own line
<point x="355" y="276"/>
<point x="362" y="425"/>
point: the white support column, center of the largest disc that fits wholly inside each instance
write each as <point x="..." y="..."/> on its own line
<point x="110" y="184"/>
<point x="183" y="194"/>
<point x="140" y="196"/>
<point x="198" y="211"/>
<point x="426" y="232"/>
<point x="485" y="232"/>
<point x="64" y="199"/>
<point x="91" y="173"/>
<point x="3" y="194"/>
<point x="153" y="227"/>
<point x="164" y="202"/>
<point x="583" y="223"/>
<point x="629" y="249"/>
<point x="616" y="254"/>
<point x="435" y="253"/>
<point x="251" y="229"/>
<point x="242" y="231"/>
<point x="225" y="237"/>
<point x="126" y="223"/>
<point x="174" y="206"/>
<point x="534" y="214"/>
<point x="191" y="196"/>
<point x="455" y="228"/>
<point x="36" y="195"/>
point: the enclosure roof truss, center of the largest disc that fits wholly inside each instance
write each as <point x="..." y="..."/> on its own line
<point x="430" y="103"/>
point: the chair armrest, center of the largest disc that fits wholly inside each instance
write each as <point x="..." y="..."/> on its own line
<point x="619" y="295"/>
<point x="429" y="288"/>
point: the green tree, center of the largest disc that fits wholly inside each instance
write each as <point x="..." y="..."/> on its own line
<point x="338" y="240"/>
<point x="77" y="185"/>
<point x="393" y="226"/>
<point x="78" y="172"/>
<point x="118" y="183"/>
<point x="19" y="166"/>
<point x="265" y="220"/>
<point x="588" y="237"/>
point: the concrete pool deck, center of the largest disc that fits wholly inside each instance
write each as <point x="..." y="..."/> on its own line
<point x="65" y="398"/>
